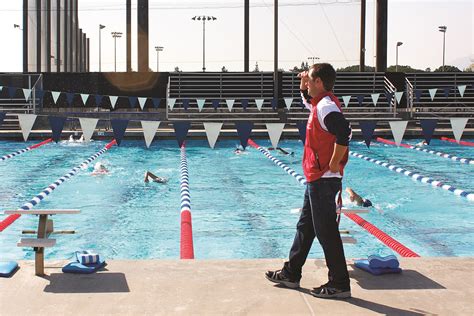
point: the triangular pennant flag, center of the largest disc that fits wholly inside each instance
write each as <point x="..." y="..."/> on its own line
<point x="244" y="104"/>
<point x="26" y="124"/>
<point x="212" y="132"/>
<point x="185" y="105"/>
<point x="274" y="131"/>
<point x="119" y="127"/>
<point x="346" y="99"/>
<point x="113" y="100"/>
<point x="446" y="91"/>
<point x="98" y="99"/>
<point x="244" y="129"/>
<point x="367" y="128"/>
<point x="288" y="102"/>
<point x="149" y="131"/>
<point x="230" y="104"/>
<point x="55" y="95"/>
<point x="302" y="130"/>
<point x="57" y="125"/>
<point x="84" y="98"/>
<point x="171" y="103"/>
<point x="200" y="103"/>
<point x="1" y="89"/>
<point x="39" y="94"/>
<point x="428" y="126"/>
<point x="69" y="98"/>
<point x="215" y="104"/>
<point x="375" y="98"/>
<point x="398" y="129"/>
<point x="389" y="97"/>
<point x="27" y="93"/>
<point x="360" y="99"/>
<point x="181" y="130"/>
<point x="398" y="96"/>
<point x="259" y="103"/>
<point x="2" y="117"/>
<point x="457" y="125"/>
<point x="142" y="101"/>
<point x="88" y="126"/>
<point x="11" y="92"/>
<point x="156" y="102"/>
<point x="274" y="104"/>
<point x="302" y="104"/>
<point x="461" y="90"/>
<point x="133" y="101"/>
<point x="418" y="94"/>
<point x="433" y="93"/>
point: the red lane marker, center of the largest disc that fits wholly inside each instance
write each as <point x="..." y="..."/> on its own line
<point x="389" y="142"/>
<point x="186" y="244"/>
<point x="464" y="143"/>
<point x="49" y="140"/>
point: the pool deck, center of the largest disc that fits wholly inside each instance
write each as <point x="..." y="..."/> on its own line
<point x="433" y="286"/>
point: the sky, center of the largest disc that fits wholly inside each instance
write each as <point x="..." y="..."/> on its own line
<point x="327" y="29"/>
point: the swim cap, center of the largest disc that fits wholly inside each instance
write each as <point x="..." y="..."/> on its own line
<point x="367" y="203"/>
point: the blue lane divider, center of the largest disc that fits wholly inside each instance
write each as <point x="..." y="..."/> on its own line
<point x="19" y="152"/>
<point x="444" y="155"/>
<point x="185" y="196"/>
<point x="416" y="176"/>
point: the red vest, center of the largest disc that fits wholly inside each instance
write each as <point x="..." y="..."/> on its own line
<point x="319" y="144"/>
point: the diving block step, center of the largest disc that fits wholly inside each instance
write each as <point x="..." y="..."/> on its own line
<point x="36" y="242"/>
<point x="41" y="212"/>
<point x="348" y="240"/>
<point x="354" y="211"/>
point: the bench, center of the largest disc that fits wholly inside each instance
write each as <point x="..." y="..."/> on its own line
<point x="45" y="229"/>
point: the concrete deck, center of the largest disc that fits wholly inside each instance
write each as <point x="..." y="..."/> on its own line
<point x="433" y="286"/>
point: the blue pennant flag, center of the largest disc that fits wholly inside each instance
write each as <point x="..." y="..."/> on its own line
<point x="156" y="102"/>
<point x="428" y="126"/>
<point x="360" y="99"/>
<point x="367" y="128"/>
<point x="57" y="124"/>
<point x="302" y="130"/>
<point x="39" y="94"/>
<point x="274" y="104"/>
<point x="185" y="106"/>
<point x="2" y="116"/>
<point x="389" y="97"/>
<point x="119" y="127"/>
<point x="418" y="95"/>
<point x="446" y="91"/>
<point x="244" y="129"/>
<point x="181" y="130"/>
<point x="98" y="99"/>
<point x="215" y="104"/>
<point x="245" y="104"/>
<point x="133" y="101"/>
<point x="11" y="92"/>
<point x="69" y="97"/>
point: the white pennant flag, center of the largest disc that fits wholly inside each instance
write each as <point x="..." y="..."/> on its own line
<point x="27" y="93"/>
<point x="142" y="102"/>
<point x="113" y="100"/>
<point x="274" y="131"/>
<point x="230" y="104"/>
<point x="398" y="96"/>
<point x="259" y="103"/>
<point x="200" y="103"/>
<point x="433" y="93"/>
<point x="288" y="102"/>
<point x="461" y="90"/>
<point x="212" y="132"/>
<point x="458" y="124"/>
<point x="149" y="131"/>
<point x="84" y="98"/>
<point x="346" y="99"/>
<point x="375" y="98"/>
<point x="398" y="130"/>
<point x="88" y="126"/>
<point x="171" y="103"/>
<point x="26" y="124"/>
<point x="56" y="95"/>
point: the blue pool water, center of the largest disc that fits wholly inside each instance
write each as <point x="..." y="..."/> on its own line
<point x="241" y="205"/>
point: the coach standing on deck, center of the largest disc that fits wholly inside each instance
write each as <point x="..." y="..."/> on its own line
<point x="325" y="155"/>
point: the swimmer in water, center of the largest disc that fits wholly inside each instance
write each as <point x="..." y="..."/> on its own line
<point x="149" y="175"/>
<point x="99" y="168"/>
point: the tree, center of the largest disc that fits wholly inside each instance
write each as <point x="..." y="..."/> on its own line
<point x="403" y="68"/>
<point x="256" y="67"/>
<point x="176" y="69"/>
<point x="224" y="69"/>
<point x="447" y="68"/>
<point x="304" y="66"/>
<point x="355" y="68"/>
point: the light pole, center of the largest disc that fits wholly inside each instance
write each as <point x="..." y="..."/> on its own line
<point x="100" y="55"/>
<point x="116" y="35"/>
<point x="158" y="50"/>
<point x="204" y="18"/>
<point x="396" y="64"/>
<point x="313" y="59"/>
<point x="443" y="29"/>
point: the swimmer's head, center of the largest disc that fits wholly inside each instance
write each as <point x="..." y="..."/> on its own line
<point x="98" y="166"/>
<point x="367" y="203"/>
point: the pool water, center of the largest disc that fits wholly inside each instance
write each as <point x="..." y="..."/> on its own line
<point x="241" y="204"/>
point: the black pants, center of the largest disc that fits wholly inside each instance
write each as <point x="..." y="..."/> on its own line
<point x="318" y="219"/>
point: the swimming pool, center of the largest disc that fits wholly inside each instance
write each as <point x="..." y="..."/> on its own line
<point x="241" y="204"/>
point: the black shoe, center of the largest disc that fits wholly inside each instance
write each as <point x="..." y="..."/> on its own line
<point x="279" y="277"/>
<point x="328" y="291"/>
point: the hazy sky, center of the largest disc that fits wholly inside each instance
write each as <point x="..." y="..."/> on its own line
<point x="328" y="29"/>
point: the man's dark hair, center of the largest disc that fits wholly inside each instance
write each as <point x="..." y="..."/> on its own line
<point x="326" y="73"/>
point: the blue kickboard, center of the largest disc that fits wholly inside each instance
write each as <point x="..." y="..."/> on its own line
<point x="8" y="268"/>
<point x="390" y="261"/>
<point x="79" y="268"/>
<point x="364" y="265"/>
